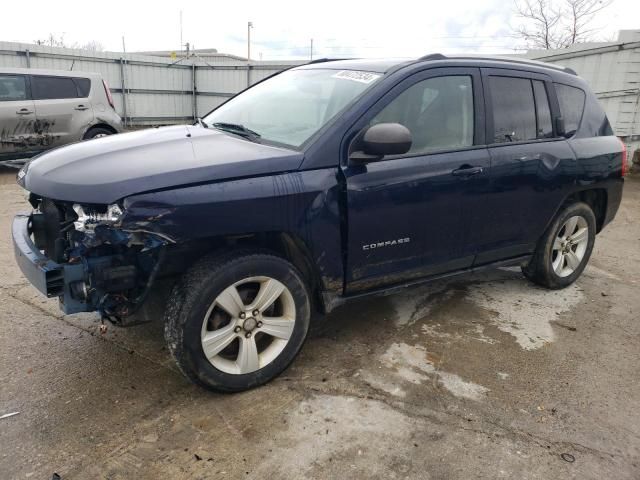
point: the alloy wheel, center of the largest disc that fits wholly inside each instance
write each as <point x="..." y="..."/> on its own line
<point x="248" y="325"/>
<point x="569" y="246"/>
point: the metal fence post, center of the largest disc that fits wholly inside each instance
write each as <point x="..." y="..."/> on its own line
<point x="194" y="100"/>
<point x="123" y="88"/>
<point x="140" y="95"/>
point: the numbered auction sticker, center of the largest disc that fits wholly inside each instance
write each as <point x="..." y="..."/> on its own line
<point x="357" y="76"/>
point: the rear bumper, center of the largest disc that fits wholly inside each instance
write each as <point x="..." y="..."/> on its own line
<point x="18" y="158"/>
<point x="50" y="278"/>
<point x="614" y="198"/>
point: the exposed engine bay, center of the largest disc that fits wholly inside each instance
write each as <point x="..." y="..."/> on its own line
<point x="107" y="267"/>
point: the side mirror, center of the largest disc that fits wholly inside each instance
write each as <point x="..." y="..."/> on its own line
<point x="560" y="130"/>
<point x="383" y="139"/>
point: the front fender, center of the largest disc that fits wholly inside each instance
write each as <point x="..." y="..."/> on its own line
<point x="302" y="204"/>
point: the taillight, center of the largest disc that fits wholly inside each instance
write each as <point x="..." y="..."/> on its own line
<point x="108" y="93"/>
<point x="625" y="168"/>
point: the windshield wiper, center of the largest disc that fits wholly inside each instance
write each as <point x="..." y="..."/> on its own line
<point x="200" y="122"/>
<point x="237" y="129"/>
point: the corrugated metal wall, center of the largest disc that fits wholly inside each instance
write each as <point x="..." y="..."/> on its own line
<point x="612" y="70"/>
<point x="149" y="90"/>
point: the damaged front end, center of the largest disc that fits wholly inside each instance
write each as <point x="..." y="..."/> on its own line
<point x="88" y="256"/>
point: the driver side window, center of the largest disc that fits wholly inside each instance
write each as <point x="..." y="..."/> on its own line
<point x="438" y="111"/>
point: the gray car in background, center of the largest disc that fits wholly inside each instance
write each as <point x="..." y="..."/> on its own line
<point x="43" y="109"/>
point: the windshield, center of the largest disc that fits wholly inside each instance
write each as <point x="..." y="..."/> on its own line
<point x="292" y="106"/>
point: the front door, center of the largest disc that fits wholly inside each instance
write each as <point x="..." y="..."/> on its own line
<point x="406" y="212"/>
<point x="17" y="117"/>
<point x="63" y="115"/>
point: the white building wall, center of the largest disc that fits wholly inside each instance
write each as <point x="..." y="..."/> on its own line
<point x="147" y="89"/>
<point x="612" y="70"/>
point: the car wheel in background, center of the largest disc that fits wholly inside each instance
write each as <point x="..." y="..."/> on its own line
<point x="96" y="132"/>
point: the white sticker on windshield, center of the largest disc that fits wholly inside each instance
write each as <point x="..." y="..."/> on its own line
<point x="357" y="76"/>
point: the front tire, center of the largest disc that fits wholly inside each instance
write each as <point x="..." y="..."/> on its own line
<point x="564" y="249"/>
<point x="237" y="321"/>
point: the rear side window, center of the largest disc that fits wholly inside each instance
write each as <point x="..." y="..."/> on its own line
<point x="438" y="111"/>
<point x="48" y="88"/>
<point x="83" y="85"/>
<point x="12" y="87"/>
<point x="543" y="112"/>
<point x="514" y="112"/>
<point x="571" y="101"/>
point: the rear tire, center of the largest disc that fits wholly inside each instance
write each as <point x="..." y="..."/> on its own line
<point x="96" y="132"/>
<point x="565" y="248"/>
<point x="238" y="320"/>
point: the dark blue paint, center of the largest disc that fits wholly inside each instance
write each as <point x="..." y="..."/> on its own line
<point x="303" y="204"/>
<point x="190" y="184"/>
<point x="108" y="169"/>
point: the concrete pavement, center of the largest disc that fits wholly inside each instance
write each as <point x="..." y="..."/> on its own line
<point x="485" y="376"/>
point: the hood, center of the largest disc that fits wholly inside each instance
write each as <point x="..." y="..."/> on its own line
<point x="107" y="169"/>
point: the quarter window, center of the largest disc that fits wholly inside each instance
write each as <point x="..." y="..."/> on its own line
<point x="12" y="88"/>
<point x="83" y="85"/>
<point x="48" y="88"/>
<point x="438" y="112"/>
<point x="571" y="101"/>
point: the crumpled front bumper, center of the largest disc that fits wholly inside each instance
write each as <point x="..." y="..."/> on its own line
<point x="50" y="278"/>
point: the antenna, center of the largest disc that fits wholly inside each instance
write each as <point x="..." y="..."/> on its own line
<point x="190" y="53"/>
<point x="181" y="44"/>
<point x="249" y="27"/>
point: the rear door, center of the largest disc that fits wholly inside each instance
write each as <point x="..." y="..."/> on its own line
<point x="17" y="116"/>
<point x="406" y="213"/>
<point x="530" y="163"/>
<point x="62" y="111"/>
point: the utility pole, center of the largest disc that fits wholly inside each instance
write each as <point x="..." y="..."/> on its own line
<point x="249" y="27"/>
<point x="311" y="51"/>
<point x="181" y="44"/>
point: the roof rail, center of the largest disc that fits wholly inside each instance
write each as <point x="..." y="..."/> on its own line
<point x="433" y="56"/>
<point x="500" y="58"/>
<point x="322" y="60"/>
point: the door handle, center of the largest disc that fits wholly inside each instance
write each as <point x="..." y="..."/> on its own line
<point x="528" y="157"/>
<point x="467" y="171"/>
<point x="82" y="107"/>
<point x="24" y="111"/>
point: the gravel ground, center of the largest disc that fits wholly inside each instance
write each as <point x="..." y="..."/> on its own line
<point x="484" y="376"/>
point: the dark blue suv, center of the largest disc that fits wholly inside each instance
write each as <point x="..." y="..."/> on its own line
<point x="325" y="182"/>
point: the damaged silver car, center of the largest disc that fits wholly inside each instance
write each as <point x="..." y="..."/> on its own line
<point x="43" y="109"/>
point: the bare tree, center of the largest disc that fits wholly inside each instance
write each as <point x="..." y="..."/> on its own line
<point x="53" y="40"/>
<point x="553" y="24"/>
<point x="92" y="45"/>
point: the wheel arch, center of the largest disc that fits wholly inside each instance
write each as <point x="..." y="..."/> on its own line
<point x="106" y="126"/>
<point x="596" y="198"/>
<point x="286" y="245"/>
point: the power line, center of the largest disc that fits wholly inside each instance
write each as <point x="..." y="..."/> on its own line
<point x="304" y="51"/>
<point x="445" y="37"/>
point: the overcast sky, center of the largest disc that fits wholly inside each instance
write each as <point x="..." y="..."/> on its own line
<point x="283" y="29"/>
